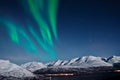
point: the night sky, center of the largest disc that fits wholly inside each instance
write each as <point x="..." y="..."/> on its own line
<point x="84" y="27"/>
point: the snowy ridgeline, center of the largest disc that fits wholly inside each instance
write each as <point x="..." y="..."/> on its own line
<point x="10" y="69"/>
<point x="25" y="70"/>
<point x="86" y="61"/>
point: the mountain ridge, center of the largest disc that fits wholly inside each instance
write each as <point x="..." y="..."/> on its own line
<point x="24" y="70"/>
<point x="10" y="69"/>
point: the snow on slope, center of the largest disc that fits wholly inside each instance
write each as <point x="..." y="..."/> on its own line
<point x="33" y="66"/>
<point x="50" y="64"/>
<point x="90" y="61"/>
<point x="10" y="69"/>
<point x="114" y="59"/>
<point x="85" y="61"/>
<point x="57" y="63"/>
<point x="72" y="61"/>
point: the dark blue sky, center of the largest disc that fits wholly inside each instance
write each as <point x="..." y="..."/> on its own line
<point x="85" y="27"/>
<point x="89" y="27"/>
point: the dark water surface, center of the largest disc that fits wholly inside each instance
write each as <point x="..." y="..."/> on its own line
<point x="110" y="76"/>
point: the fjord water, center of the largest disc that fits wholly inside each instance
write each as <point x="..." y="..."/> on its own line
<point x="101" y="76"/>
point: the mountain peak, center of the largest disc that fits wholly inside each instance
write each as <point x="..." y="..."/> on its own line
<point x="32" y="66"/>
<point x="9" y="69"/>
<point x="113" y="59"/>
<point x="85" y="61"/>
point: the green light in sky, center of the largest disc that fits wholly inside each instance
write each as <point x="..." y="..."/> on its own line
<point x="12" y="31"/>
<point x="52" y="10"/>
<point x="36" y="8"/>
<point x="44" y="29"/>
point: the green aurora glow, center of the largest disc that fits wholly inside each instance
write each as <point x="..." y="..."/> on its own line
<point x="45" y="42"/>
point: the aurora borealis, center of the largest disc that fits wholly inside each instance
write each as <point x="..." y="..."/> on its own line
<point x="36" y="10"/>
<point x="48" y="30"/>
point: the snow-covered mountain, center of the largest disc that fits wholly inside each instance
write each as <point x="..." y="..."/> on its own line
<point x="57" y="63"/>
<point x="72" y="61"/>
<point x="113" y="59"/>
<point x="33" y="66"/>
<point x="85" y="61"/>
<point x="90" y="61"/>
<point x="9" y="69"/>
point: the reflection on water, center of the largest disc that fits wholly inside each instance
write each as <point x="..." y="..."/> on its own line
<point x="66" y="78"/>
<point x="74" y="78"/>
<point x="109" y="76"/>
